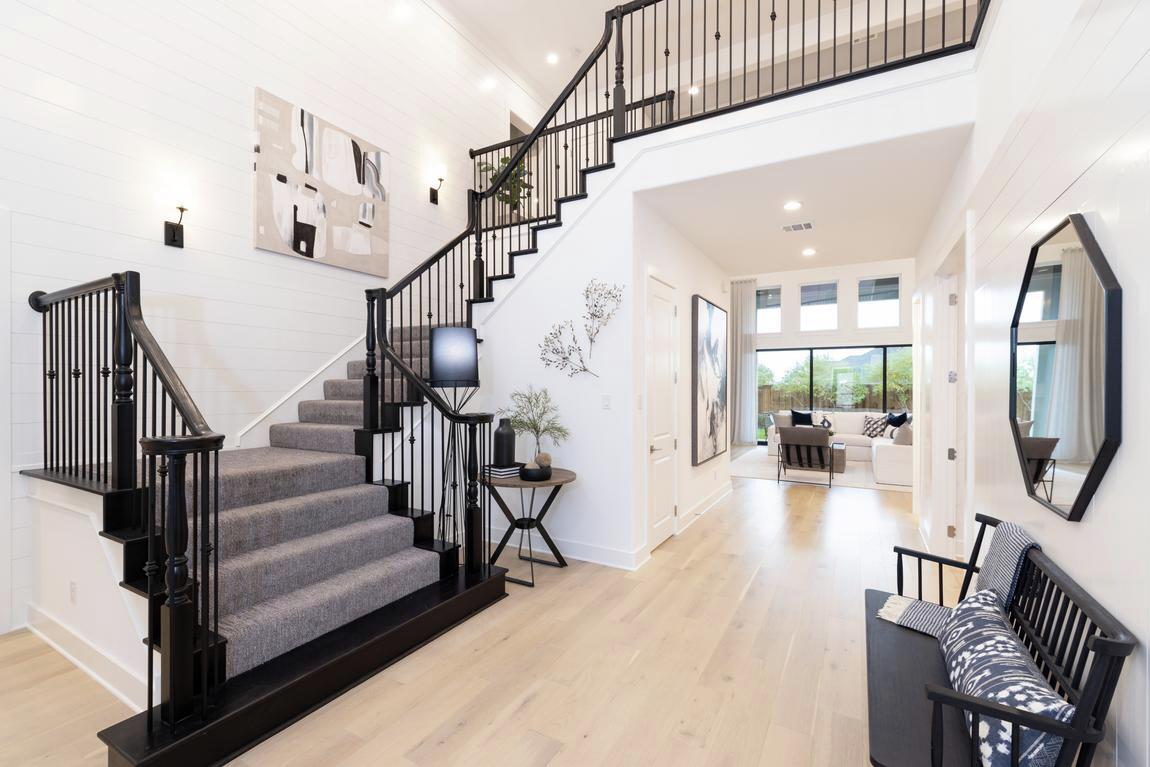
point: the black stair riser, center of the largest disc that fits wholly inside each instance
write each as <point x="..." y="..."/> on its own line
<point x="448" y="555"/>
<point x="265" y="700"/>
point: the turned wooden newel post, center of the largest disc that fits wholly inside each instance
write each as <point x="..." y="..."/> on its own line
<point x="177" y="615"/>
<point x="619" y="96"/>
<point x="472" y="515"/>
<point x="478" y="269"/>
<point x="370" y="377"/>
<point x="126" y="296"/>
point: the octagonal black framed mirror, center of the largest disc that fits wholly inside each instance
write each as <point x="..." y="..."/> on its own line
<point x="1066" y="369"/>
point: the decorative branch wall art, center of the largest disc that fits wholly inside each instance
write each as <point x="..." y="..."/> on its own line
<point x="320" y="192"/>
<point x="561" y="347"/>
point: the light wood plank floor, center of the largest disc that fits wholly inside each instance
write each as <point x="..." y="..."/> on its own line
<point x="50" y="711"/>
<point x="740" y="643"/>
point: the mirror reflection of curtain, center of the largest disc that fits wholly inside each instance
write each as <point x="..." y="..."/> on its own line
<point x="1075" y="414"/>
<point x="744" y="405"/>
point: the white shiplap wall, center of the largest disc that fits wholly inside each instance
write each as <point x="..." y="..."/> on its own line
<point x="1063" y="127"/>
<point x="113" y="112"/>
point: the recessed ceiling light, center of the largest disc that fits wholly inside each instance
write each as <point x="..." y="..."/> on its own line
<point x="808" y="252"/>
<point x="552" y="58"/>
<point x="488" y="84"/>
<point x="693" y="90"/>
<point x="792" y="205"/>
<point x="401" y="11"/>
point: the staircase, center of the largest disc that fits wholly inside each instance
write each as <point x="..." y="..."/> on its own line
<point x="278" y="577"/>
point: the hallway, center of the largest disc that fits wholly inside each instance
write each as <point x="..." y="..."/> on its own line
<point x="741" y="642"/>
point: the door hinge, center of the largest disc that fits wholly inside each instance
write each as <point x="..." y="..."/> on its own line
<point x="675" y="444"/>
<point x="951" y="454"/>
<point x="676" y="509"/>
<point x="675" y="377"/>
<point x="953" y="299"/>
<point x="952" y="376"/>
<point x="675" y="310"/>
<point x="951" y="531"/>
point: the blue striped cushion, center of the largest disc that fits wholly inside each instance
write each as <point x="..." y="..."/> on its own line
<point x="986" y="659"/>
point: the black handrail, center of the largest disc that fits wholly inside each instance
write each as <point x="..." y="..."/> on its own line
<point x="603" y="115"/>
<point x="553" y="110"/>
<point x="113" y="403"/>
<point x="416" y="380"/>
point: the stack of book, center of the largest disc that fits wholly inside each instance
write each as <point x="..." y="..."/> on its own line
<point x="502" y="472"/>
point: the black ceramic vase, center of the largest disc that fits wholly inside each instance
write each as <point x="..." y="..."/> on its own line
<point x="504" y="451"/>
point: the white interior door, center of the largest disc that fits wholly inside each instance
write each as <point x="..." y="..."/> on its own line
<point x="662" y="380"/>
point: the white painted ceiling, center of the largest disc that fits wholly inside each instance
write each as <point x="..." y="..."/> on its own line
<point x="522" y="32"/>
<point x="867" y="203"/>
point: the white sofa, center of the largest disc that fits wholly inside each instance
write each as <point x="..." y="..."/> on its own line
<point x="892" y="464"/>
<point x="847" y="428"/>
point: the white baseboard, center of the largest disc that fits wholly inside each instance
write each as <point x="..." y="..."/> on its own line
<point x="119" y="680"/>
<point x="705" y="505"/>
<point x="583" y="552"/>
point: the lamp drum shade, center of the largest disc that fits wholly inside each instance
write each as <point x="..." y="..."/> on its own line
<point x="454" y="358"/>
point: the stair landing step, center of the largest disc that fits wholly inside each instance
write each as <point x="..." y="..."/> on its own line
<point x="265" y="700"/>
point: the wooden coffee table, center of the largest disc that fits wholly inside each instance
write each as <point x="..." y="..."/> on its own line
<point x="528" y="520"/>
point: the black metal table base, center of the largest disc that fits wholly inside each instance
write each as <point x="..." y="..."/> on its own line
<point x="525" y="524"/>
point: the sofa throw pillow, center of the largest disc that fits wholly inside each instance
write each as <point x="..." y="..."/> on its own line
<point x="802" y="418"/>
<point x="904" y="435"/>
<point x="985" y="658"/>
<point x="781" y="419"/>
<point x="896" y="420"/>
<point x="874" y="426"/>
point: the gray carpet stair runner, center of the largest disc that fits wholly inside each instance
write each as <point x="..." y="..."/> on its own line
<point x="305" y="544"/>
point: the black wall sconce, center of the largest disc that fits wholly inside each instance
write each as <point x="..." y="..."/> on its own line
<point x="435" y="192"/>
<point x="174" y="232"/>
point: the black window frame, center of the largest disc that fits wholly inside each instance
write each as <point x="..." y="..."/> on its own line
<point x="811" y="366"/>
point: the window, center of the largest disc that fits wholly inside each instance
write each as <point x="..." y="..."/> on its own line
<point x="878" y="303"/>
<point x="1042" y="294"/>
<point x="784" y="383"/>
<point x="768" y="310"/>
<point x="899" y="379"/>
<point x="876" y="378"/>
<point x="819" y="306"/>
<point x="1035" y="368"/>
<point x="848" y="379"/>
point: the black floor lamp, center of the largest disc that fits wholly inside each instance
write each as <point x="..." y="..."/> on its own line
<point x="454" y="369"/>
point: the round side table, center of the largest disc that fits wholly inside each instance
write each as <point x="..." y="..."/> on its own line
<point x="528" y="519"/>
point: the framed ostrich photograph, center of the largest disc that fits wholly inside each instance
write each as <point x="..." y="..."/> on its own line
<point x="708" y="380"/>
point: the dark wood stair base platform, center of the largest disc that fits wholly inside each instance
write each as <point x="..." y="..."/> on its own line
<point x="269" y="698"/>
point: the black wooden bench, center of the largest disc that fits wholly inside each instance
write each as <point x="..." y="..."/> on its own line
<point x="916" y="718"/>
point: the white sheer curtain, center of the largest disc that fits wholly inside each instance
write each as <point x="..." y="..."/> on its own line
<point x="1075" y="412"/>
<point x="744" y="405"/>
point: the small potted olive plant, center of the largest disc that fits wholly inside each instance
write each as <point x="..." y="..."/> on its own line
<point x="516" y="188"/>
<point x="533" y="412"/>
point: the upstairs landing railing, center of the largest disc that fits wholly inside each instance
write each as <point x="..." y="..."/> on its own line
<point x="117" y="420"/>
<point x="657" y="64"/>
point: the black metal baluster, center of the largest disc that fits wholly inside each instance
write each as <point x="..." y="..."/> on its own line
<point x="151" y="568"/>
<point x="46" y="366"/>
<point x="803" y="45"/>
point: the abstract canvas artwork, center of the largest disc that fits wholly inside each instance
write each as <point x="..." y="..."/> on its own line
<point x="320" y="192"/>
<point x="708" y="380"/>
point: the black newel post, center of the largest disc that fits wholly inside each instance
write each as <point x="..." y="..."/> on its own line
<point x="619" y="96"/>
<point x="370" y="377"/>
<point x="177" y="615"/>
<point x="123" y="427"/>
<point x="472" y="515"/>
<point x="478" y="270"/>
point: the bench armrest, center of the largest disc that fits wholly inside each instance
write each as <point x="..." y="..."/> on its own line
<point x="923" y="556"/>
<point x="979" y="707"/>
<point x="933" y="558"/>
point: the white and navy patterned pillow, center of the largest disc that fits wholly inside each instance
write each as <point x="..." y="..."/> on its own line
<point x="985" y="658"/>
<point x="874" y="427"/>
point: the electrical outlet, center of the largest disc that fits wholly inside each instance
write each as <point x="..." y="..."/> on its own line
<point x="606" y="401"/>
<point x="72" y="592"/>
